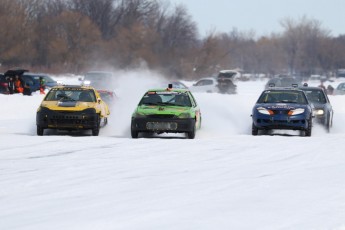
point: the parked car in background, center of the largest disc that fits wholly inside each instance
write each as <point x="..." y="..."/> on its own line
<point x="179" y="85"/>
<point x="225" y="82"/>
<point x="16" y="74"/>
<point x="100" y="80"/>
<point x="33" y="80"/>
<point x="208" y="85"/>
<point x="176" y="84"/>
<point x="340" y="73"/>
<point x="340" y="90"/>
<point x="322" y="108"/>
<point x="283" y="81"/>
<point x="3" y="84"/>
<point x="315" y="77"/>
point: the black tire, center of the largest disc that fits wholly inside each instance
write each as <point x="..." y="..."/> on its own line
<point x="134" y="133"/>
<point x="328" y="124"/>
<point x="255" y="130"/>
<point x="307" y="132"/>
<point x="40" y="131"/>
<point x="95" y="130"/>
<point x="105" y="121"/>
<point x="191" y="134"/>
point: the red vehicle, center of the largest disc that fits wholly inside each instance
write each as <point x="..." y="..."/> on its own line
<point x="107" y="95"/>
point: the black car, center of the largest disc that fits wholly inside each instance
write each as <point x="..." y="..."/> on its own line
<point x="323" y="111"/>
<point x="3" y="85"/>
<point x="225" y="82"/>
<point x="12" y="74"/>
<point x="282" y="108"/>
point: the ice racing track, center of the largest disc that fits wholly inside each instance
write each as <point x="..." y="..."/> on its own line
<point x="224" y="179"/>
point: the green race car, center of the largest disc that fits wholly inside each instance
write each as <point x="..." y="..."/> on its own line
<point x="166" y="111"/>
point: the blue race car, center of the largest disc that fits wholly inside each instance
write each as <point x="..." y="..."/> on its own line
<point x="282" y="108"/>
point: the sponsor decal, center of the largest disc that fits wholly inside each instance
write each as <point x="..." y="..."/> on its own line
<point x="68" y="89"/>
<point x="282" y="107"/>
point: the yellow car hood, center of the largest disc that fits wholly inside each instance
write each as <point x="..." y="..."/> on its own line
<point x="68" y="105"/>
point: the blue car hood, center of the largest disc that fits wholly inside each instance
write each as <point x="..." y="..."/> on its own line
<point x="280" y="106"/>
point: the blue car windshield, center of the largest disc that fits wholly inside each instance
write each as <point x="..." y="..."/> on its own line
<point x="282" y="96"/>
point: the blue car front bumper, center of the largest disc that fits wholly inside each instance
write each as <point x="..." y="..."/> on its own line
<point x="295" y="122"/>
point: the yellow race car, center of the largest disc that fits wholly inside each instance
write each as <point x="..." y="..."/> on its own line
<point x="72" y="107"/>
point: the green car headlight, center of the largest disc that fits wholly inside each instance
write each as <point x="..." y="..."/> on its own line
<point x="139" y="115"/>
<point x="184" y="115"/>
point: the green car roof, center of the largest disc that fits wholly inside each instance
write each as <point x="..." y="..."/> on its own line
<point x="169" y="90"/>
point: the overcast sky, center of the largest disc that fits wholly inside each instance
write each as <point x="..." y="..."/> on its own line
<point x="263" y="16"/>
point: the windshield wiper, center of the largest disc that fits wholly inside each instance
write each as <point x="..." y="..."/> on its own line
<point x="168" y="103"/>
<point x="149" y="103"/>
<point x="288" y="101"/>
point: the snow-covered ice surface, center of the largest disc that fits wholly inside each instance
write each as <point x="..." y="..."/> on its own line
<point x="224" y="179"/>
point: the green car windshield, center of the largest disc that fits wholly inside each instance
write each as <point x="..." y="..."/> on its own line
<point x="166" y="98"/>
<point x="283" y="96"/>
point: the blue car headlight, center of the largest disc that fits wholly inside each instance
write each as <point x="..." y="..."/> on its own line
<point x="296" y="111"/>
<point x="265" y="111"/>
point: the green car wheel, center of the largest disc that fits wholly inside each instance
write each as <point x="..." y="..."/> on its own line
<point x="191" y="134"/>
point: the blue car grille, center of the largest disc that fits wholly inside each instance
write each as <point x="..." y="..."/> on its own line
<point x="282" y="112"/>
<point x="281" y="121"/>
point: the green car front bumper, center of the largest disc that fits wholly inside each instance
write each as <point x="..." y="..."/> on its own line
<point x="160" y="124"/>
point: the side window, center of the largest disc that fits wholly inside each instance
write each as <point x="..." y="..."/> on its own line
<point x="2" y="78"/>
<point x="322" y="97"/>
<point x="194" y="104"/>
<point x="28" y="81"/>
<point x="208" y="82"/>
<point x="200" y="83"/>
<point x="51" y="96"/>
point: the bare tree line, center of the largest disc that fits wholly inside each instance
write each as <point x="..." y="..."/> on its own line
<point x="79" y="35"/>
